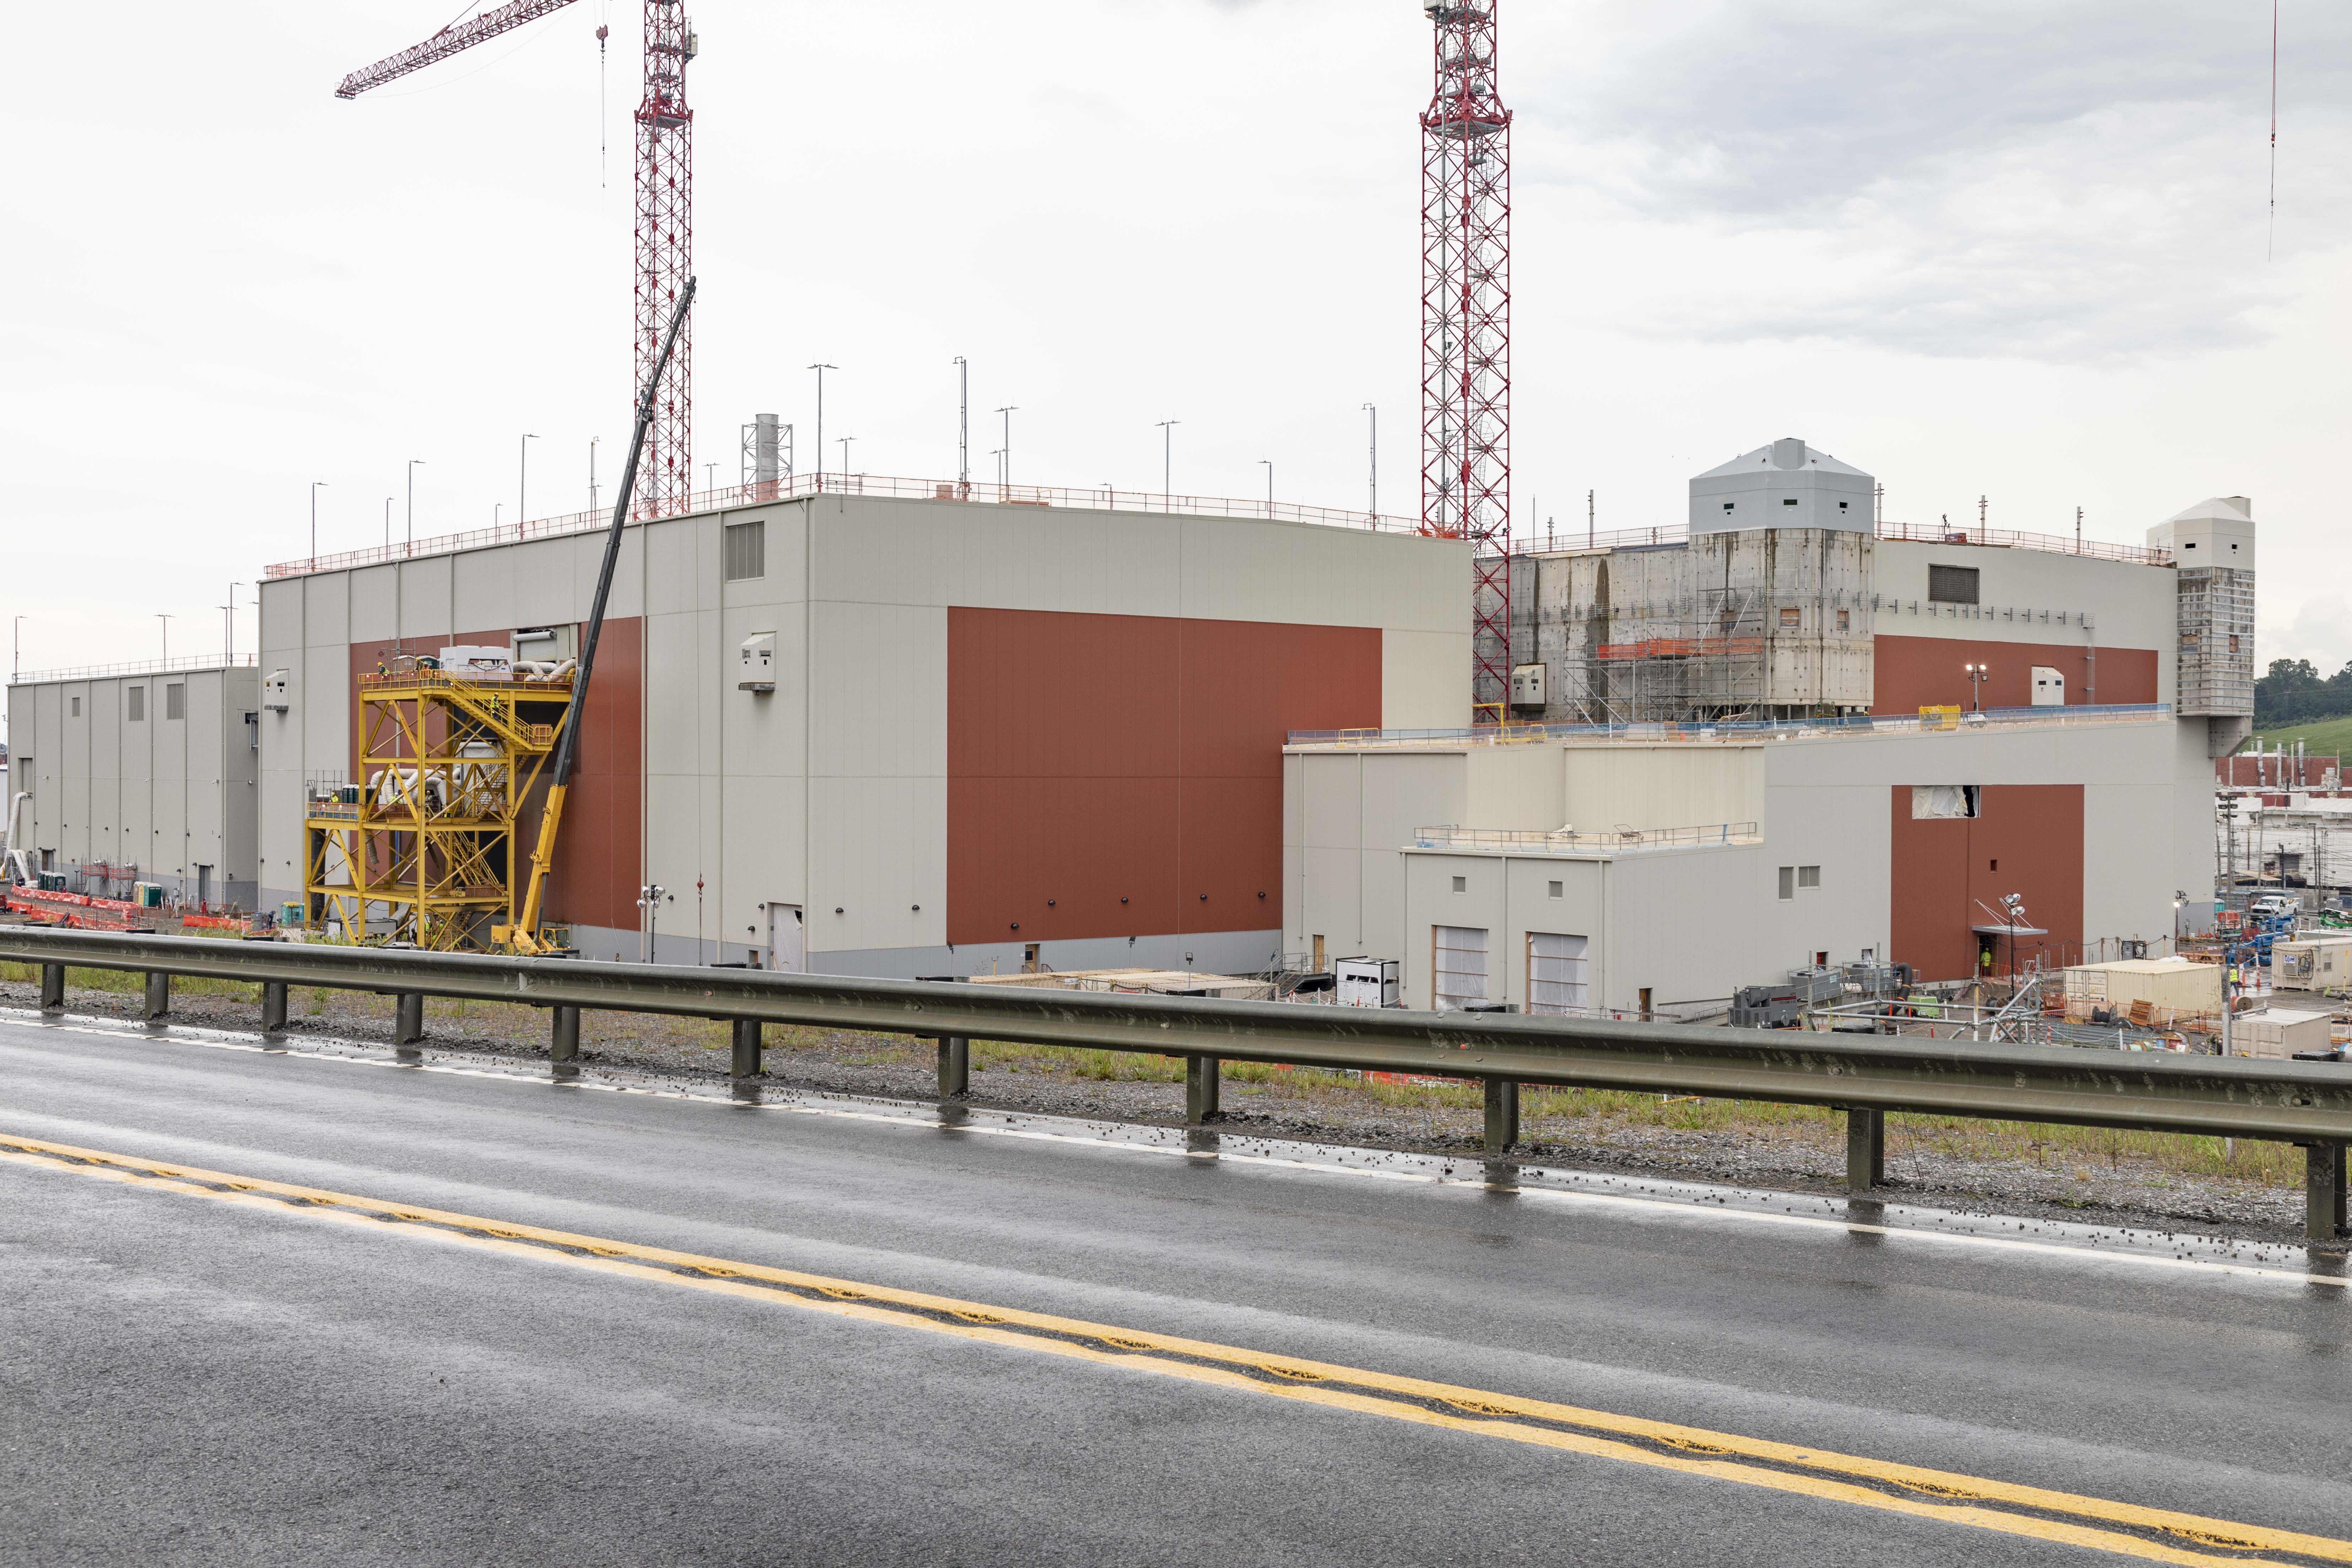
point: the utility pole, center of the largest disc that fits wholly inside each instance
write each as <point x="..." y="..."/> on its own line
<point x="592" y="473"/>
<point x="963" y="429"/>
<point x="820" y="370"/>
<point x="314" y="522"/>
<point x="1008" y="411"/>
<point x="166" y="618"/>
<point x="1268" y="463"/>
<point x="16" y="649"/>
<point x="1374" y="506"/>
<point x="228" y="628"/>
<point x="1167" y="463"/>
<point x="1589" y="513"/>
<point x="1983" y="501"/>
<point x="387" y="522"/>
<point x="522" y="486"/>
<point x="2078" y="531"/>
<point x="413" y="463"/>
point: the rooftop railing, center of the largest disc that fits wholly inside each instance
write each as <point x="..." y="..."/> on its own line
<point x="186" y="664"/>
<point x="1616" y="841"/>
<point x="1098" y="498"/>
<point x="1735" y="730"/>
<point x="1675" y="534"/>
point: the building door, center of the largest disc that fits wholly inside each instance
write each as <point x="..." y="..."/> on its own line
<point x="1556" y="978"/>
<point x="787" y="939"/>
<point x="1460" y="966"/>
<point x="204" y="889"/>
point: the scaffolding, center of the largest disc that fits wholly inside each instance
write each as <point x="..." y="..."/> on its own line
<point x="422" y="849"/>
<point x="2217" y="642"/>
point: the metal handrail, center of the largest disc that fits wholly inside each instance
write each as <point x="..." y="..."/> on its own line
<point x="1618" y="841"/>
<point x="187" y="664"/>
<point x="1727" y="730"/>
<point x="2288" y="1102"/>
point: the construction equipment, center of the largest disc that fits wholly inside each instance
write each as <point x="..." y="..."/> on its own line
<point x="20" y="869"/>
<point x="527" y="935"/>
<point x="665" y="205"/>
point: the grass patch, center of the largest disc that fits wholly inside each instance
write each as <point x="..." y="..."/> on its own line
<point x="2320" y="737"/>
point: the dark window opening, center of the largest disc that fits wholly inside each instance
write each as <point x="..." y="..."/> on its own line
<point x="745" y="550"/>
<point x="1952" y="584"/>
<point x="1787" y="501"/>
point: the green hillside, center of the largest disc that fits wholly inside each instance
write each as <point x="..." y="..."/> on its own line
<point x="2320" y="738"/>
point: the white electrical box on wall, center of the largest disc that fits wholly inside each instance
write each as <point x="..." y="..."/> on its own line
<point x="2049" y="687"/>
<point x="759" y="667"/>
<point x="1527" y="685"/>
<point x="273" y="692"/>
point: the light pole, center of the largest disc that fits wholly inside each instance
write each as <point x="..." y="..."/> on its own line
<point x="1268" y="463"/>
<point x="1008" y="411"/>
<point x="1977" y="675"/>
<point x="592" y="473"/>
<point x="1374" y="506"/>
<point x="1167" y="463"/>
<point x="413" y="463"/>
<point x="16" y="648"/>
<point x="963" y="429"/>
<point x="845" y="441"/>
<point x="522" y="484"/>
<point x="315" y="485"/>
<point x="228" y="628"/>
<point x="165" y="617"/>
<point x="820" y="370"/>
<point x="710" y="478"/>
<point x="387" y="523"/>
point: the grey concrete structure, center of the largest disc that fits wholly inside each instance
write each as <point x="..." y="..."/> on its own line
<point x="146" y="770"/>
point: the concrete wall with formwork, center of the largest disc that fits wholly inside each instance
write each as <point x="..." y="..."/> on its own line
<point x="153" y="769"/>
<point x="990" y="725"/>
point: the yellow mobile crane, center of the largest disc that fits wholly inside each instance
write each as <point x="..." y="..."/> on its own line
<point x="527" y="935"/>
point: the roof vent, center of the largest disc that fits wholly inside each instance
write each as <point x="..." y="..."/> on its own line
<point x="1787" y="453"/>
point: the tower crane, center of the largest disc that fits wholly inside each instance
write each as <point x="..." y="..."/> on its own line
<point x="665" y="213"/>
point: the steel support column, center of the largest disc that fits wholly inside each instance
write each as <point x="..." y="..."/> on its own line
<point x="955" y="1067"/>
<point x="408" y="1019"/>
<point x="563" y="1044"/>
<point x="273" y="1006"/>
<point x="1502" y="1115"/>
<point x="53" y="988"/>
<point x="746" y="1047"/>
<point x="1200" y="1085"/>
<point x="2323" y="1194"/>
<point x="159" y="996"/>
<point x="1865" y="1148"/>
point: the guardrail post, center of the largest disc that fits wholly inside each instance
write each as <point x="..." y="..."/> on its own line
<point x="955" y="1065"/>
<point x="159" y="996"/>
<point x="53" y="988"/>
<point x="1865" y="1148"/>
<point x="408" y="1018"/>
<point x="746" y="1047"/>
<point x="273" y="1006"/>
<point x="565" y="1045"/>
<point x="1200" y="1086"/>
<point x="1502" y="1115"/>
<point x="2323" y="1196"/>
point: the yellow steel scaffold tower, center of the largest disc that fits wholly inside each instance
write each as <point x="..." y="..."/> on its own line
<point x="422" y="847"/>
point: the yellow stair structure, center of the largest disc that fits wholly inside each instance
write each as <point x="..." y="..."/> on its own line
<point x="423" y="848"/>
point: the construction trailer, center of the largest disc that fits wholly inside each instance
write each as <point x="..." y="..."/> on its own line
<point x="2313" y="963"/>
<point x="141" y="772"/>
<point x="2169" y="987"/>
<point x="876" y="730"/>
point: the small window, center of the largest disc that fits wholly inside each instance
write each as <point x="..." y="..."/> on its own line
<point x="1845" y="620"/>
<point x="1730" y="504"/>
<point x="1461" y="884"/>
<point x="1809" y="875"/>
<point x="1557" y="890"/>
<point x="744" y="547"/>
<point x="175" y="700"/>
<point x="1842" y="506"/>
<point x="1787" y="501"/>
<point x="76" y="708"/>
<point x="134" y="699"/>
<point x="1789" y="617"/>
<point x="2189" y="639"/>
<point x="2233" y="642"/>
<point x="1788" y="882"/>
<point x="1952" y="584"/>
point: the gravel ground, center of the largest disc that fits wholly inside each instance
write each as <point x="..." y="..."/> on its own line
<point x="1800" y="1157"/>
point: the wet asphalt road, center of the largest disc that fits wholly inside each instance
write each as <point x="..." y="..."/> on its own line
<point x="184" y="1381"/>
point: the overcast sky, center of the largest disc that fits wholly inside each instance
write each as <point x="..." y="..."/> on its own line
<point x="2014" y="250"/>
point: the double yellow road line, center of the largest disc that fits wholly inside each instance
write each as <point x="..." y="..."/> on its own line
<point x="2156" y="1535"/>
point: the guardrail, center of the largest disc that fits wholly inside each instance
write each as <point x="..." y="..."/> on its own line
<point x="1661" y="731"/>
<point x="2305" y="1103"/>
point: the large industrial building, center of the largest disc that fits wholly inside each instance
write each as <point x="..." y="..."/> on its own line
<point x="140" y="773"/>
<point x="1747" y="750"/>
<point x="906" y="736"/>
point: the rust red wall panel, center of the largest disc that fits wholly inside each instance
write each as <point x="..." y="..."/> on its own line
<point x="1912" y="673"/>
<point x="1947" y="871"/>
<point x="1093" y="759"/>
<point x="598" y="855"/>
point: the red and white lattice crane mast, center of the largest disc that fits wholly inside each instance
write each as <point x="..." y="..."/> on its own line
<point x="665" y="214"/>
<point x="1466" y="325"/>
